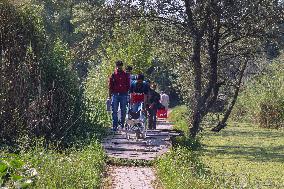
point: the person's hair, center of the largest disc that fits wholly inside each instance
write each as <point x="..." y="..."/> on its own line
<point x="119" y="63"/>
<point x="129" y="68"/>
<point x="140" y="77"/>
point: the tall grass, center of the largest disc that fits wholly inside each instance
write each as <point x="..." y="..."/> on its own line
<point x="262" y="100"/>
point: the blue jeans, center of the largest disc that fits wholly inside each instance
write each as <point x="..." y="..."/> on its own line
<point x="118" y="99"/>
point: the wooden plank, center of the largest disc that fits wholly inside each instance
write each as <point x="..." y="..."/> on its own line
<point x="134" y="155"/>
<point x="156" y="143"/>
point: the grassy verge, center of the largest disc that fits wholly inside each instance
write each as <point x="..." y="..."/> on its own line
<point x="240" y="156"/>
<point x="39" y="168"/>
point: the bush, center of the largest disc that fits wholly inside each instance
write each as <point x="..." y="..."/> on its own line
<point x="182" y="167"/>
<point x="261" y="102"/>
<point x="96" y="95"/>
<point x="271" y="114"/>
<point x="20" y="73"/>
<point x="39" y="93"/>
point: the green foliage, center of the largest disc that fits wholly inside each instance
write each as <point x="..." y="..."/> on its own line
<point x="14" y="172"/>
<point x="180" y="117"/>
<point x="181" y="168"/>
<point x="73" y="168"/>
<point x="262" y="99"/>
<point x="38" y="167"/>
<point x="19" y="71"/>
<point x="187" y="142"/>
<point x="131" y="44"/>
<point x="96" y="94"/>
<point x="39" y="94"/>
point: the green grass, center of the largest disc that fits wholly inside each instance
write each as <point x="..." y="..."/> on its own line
<point x="182" y="168"/>
<point x="240" y="156"/>
<point x="179" y="116"/>
<point x="71" y="168"/>
<point x="129" y="162"/>
<point x="246" y="156"/>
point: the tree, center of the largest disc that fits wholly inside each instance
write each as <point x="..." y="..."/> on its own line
<point x="215" y="31"/>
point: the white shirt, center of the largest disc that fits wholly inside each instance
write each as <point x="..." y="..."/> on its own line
<point x="165" y="100"/>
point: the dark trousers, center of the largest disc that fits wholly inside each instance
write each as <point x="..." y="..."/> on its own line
<point x="152" y="120"/>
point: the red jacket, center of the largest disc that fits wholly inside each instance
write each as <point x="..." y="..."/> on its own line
<point x="119" y="82"/>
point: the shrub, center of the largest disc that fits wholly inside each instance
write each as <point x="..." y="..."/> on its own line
<point x="271" y="114"/>
<point x="39" y="167"/>
<point x="39" y="93"/>
<point x="261" y="101"/>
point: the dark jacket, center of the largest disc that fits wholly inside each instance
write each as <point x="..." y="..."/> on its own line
<point x="139" y="87"/>
<point x="153" y="98"/>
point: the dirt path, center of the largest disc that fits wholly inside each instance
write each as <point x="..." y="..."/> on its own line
<point x="123" y="177"/>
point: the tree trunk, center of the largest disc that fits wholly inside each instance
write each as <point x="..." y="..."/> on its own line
<point x="196" y="119"/>
<point x="223" y="123"/>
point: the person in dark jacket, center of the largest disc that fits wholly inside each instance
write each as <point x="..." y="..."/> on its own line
<point x="138" y="89"/>
<point x="153" y="102"/>
<point x="119" y="85"/>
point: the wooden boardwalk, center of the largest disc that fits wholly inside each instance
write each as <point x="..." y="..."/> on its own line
<point x="156" y="143"/>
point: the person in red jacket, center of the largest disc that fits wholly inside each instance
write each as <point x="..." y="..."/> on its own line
<point x="119" y="84"/>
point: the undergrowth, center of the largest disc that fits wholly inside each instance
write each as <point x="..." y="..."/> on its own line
<point x="261" y="102"/>
<point x="47" y="168"/>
